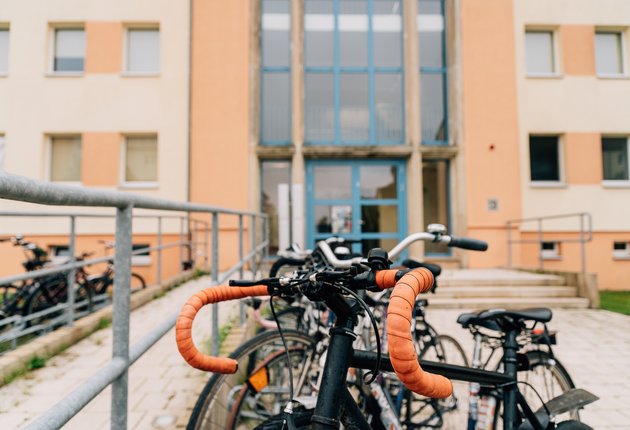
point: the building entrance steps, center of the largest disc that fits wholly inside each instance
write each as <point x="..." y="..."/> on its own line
<point x="162" y="387"/>
<point x="492" y="288"/>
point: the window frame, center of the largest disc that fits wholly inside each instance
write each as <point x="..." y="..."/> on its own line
<point x="622" y="49"/>
<point x="128" y="27"/>
<point x="52" y="49"/>
<point x="143" y="259"/>
<point x="6" y="27"/>
<point x="555" y="52"/>
<point x="561" y="182"/>
<point x="621" y="254"/>
<point x="124" y="183"/>
<point x="551" y="254"/>
<point x="616" y="183"/>
<point x="49" y="150"/>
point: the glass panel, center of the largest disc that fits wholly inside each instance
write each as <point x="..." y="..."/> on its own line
<point x="430" y="7"/>
<point x="141" y="159"/>
<point x="276" y="26"/>
<point x="615" y="158"/>
<point x="4" y="51"/>
<point x="353" y="34"/>
<point x="430" y="22"/>
<point x="539" y="52"/>
<point x="319" y="107"/>
<point x="333" y="182"/>
<point x="608" y="53"/>
<point x="69" y="50"/>
<point x="274" y="173"/>
<point x="388" y="107"/>
<point x="354" y="111"/>
<point x="544" y="158"/>
<point x="276" y="112"/>
<point x="386" y="244"/>
<point x="65" y="160"/>
<point x="387" y="33"/>
<point x="378" y="182"/>
<point x="144" y="50"/>
<point x="432" y="110"/>
<point x="319" y="26"/>
<point x="435" y="199"/>
<point x="379" y="218"/>
<point x="336" y="219"/>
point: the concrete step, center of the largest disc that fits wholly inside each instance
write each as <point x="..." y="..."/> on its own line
<point x="495" y="277"/>
<point x="508" y="302"/>
<point x="496" y="291"/>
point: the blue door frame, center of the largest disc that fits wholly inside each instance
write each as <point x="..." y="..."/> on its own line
<point x="356" y="202"/>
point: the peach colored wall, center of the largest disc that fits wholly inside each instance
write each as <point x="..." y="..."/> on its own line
<point x="100" y="155"/>
<point x="612" y="274"/>
<point x="103" y="47"/>
<point x="497" y="253"/>
<point x="578" y="49"/>
<point x="220" y="103"/>
<point x="490" y="121"/>
<point x="583" y="158"/>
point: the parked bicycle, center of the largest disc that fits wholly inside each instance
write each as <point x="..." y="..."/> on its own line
<point x="103" y="283"/>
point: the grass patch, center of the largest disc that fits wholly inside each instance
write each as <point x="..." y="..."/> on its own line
<point x="36" y="362"/>
<point x="104" y="322"/>
<point x="616" y="301"/>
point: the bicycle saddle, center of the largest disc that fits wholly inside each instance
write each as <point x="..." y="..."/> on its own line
<point x="494" y="319"/>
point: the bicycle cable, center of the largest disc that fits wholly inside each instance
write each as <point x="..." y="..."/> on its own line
<point x="537" y="394"/>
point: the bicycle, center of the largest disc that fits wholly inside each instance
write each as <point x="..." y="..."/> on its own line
<point x="103" y="283"/>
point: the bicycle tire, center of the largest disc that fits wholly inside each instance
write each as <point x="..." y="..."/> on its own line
<point x="137" y="283"/>
<point x="284" y="261"/>
<point x="212" y="398"/>
<point x="292" y="318"/>
<point x="573" y="425"/>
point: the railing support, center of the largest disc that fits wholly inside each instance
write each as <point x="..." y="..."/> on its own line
<point x="582" y="245"/>
<point x="540" y="245"/>
<point x="509" y="245"/>
<point x="71" y="274"/>
<point x="215" y="280"/>
<point x="181" y="243"/>
<point x="120" y="319"/>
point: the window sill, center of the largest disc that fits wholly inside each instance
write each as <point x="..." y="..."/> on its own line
<point x="140" y="185"/>
<point x="64" y="74"/>
<point x="548" y="184"/>
<point x="140" y="74"/>
<point x="70" y="183"/>
<point x="615" y="184"/>
<point x="543" y="75"/>
<point x="613" y="77"/>
<point x="552" y="258"/>
<point x="621" y="258"/>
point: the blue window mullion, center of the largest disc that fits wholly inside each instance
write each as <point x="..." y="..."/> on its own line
<point x="372" y="134"/>
<point x="356" y="198"/>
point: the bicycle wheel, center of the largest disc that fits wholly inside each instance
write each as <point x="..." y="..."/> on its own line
<point x="137" y="282"/>
<point x="286" y="264"/>
<point x="213" y="407"/>
<point x="83" y="300"/>
<point x="546" y="378"/>
<point x="420" y="412"/>
<point x="292" y="318"/>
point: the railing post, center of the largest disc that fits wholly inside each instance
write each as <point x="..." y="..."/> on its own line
<point x="120" y="320"/>
<point x="71" y="274"/>
<point x="582" y="244"/>
<point x="215" y="280"/>
<point x="540" y="242"/>
<point x="509" y="245"/>
<point x="240" y="271"/>
<point x="252" y="239"/>
<point x="159" y="251"/>
<point x="206" y="244"/>
<point x="181" y="243"/>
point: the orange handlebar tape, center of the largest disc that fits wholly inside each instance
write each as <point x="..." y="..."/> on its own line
<point x="183" y="326"/>
<point x="400" y="343"/>
<point x="386" y="278"/>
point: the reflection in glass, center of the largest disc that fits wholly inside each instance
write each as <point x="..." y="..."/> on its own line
<point x="430" y="22"/>
<point x="386" y="33"/>
<point x="539" y="55"/>
<point x="353" y="33"/>
<point x="276" y="26"/>
<point x="379" y="219"/>
<point x="435" y="199"/>
<point x="319" y="107"/>
<point x="276" y="112"/>
<point x="335" y="219"/>
<point x="354" y="111"/>
<point x="432" y="110"/>
<point x="386" y="244"/>
<point x="333" y="182"/>
<point x="319" y="26"/>
<point x="378" y="182"/>
<point x="615" y="158"/>
<point x="273" y="173"/>
<point x="608" y="53"/>
<point x="388" y="107"/>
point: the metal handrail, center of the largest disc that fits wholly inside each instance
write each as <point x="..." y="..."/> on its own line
<point x="585" y="235"/>
<point x="23" y="189"/>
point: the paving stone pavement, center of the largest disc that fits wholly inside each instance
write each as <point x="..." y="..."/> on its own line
<point x="162" y="387"/>
<point x="593" y="345"/>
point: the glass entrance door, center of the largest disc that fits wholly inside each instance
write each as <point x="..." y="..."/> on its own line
<point x="364" y="200"/>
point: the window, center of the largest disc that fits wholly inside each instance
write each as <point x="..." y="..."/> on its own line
<point x="141" y="160"/>
<point x="65" y="159"/>
<point x="142" y="258"/>
<point x="353" y="72"/>
<point x="4" y="51"/>
<point x="550" y="250"/>
<point x="275" y="115"/>
<point x="435" y="198"/>
<point x="433" y="72"/>
<point x="59" y="254"/>
<point x="143" y="50"/>
<point x="609" y="53"/>
<point x="621" y="250"/>
<point x="544" y="158"/>
<point x="540" y="53"/>
<point x="2" y="151"/>
<point x="69" y="50"/>
<point x="615" y="158"/>
<point x="275" y="202"/>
